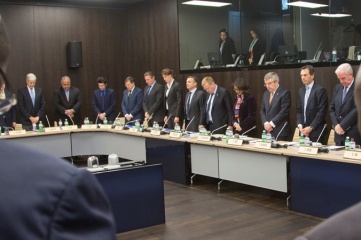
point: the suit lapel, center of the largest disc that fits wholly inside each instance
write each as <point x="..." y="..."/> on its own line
<point x="348" y="94"/>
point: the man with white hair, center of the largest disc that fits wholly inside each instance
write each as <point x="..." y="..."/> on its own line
<point x="31" y="103"/>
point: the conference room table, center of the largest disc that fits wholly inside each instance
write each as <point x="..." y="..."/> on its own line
<point x="319" y="185"/>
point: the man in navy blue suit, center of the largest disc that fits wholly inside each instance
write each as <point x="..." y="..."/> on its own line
<point x="132" y="104"/>
<point x="43" y="197"/>
<point x="31" y="103"/>
<point x="104" y="101"/>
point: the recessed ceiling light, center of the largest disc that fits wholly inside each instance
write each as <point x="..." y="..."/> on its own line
<point x="306" y="4"/>
<point x="332" y="15"/>
<point x="207" y="3"/>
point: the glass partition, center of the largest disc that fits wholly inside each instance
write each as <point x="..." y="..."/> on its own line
<point x="285" y="34"/>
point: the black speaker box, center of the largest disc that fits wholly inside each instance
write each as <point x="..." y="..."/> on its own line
<point x="75" y="58"/>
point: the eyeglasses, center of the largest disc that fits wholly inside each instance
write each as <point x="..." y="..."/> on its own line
<point x="6" y="104"/>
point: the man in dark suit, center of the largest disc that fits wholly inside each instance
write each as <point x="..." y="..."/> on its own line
<point x="275" y="108"/>
<point x="219" y="110"/>
<point x="46" y="197"/>
<point x="104" y="101"/>
<point x="132" y="104"/>
<point x="7" y="119"/>
<point x="153" y="100"/>
<point x="343" y="110"/>
<point x="31" y="103"/>
<point x="67" y="101"/>
<point x="194" y="109"/>
<point x="173" y="100"/>
<point x="311" y="106"/>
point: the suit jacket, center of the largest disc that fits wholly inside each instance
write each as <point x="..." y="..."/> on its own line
<point x="221" y="110"/>
<point x="153" y="102"/>
<point x="134" y="104"/>
<point x="26" y="107"/>
<point x="342" y="225"/>
<point x="175" y="103"/>
<point x="345" y="114"/>
<point x="247" y="114"/>
<point x="258" y="49"/>
<point x="277" y="111"/>
<point x="61" y="104"/>
<point x="227" y="51"/>
<point x="48" y="198"/>
<point x="197" y="110"/>
<point x="316" y="109"/>
<point x="9" y="117"/>
<point x="109" y="104"/>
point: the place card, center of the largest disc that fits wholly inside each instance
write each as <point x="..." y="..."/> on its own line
<point x="263" y="145"/>
<point x="118" y="128"/>
<point x="175" y="134"/>
<point x="308" y="150"/>
<point x="69" y="127"/>
<point x="235" y="141"/>
<point x="102" y="126"/>
<point x="133" y="130"/>
<point x="155" y="132"/>
<point x="204" y="138"/>
<point x="52" y="129"/>
<point x="17" y="132"/>
<point x="89" y="126"/>
<point x="352" y="155"/>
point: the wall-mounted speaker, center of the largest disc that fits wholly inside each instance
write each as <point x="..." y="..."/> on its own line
<point x="75" y="58"/>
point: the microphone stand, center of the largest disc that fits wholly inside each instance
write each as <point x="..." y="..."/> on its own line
<point x="248" y="130"/>
<point x="47" y="119"/>
<point x="323" y="129"/>
<point x="166" y="121"/>
<point x="219" y="138"/>
<point x="185" y="130"/>
<point x="275" y="144"/>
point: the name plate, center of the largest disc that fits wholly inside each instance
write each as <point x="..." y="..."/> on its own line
<point x="52" y="129"/>
<point x="352" y="155"/>
<point x="18" y="132"/>
<point x="69" y="127"/>
<point x="263" y="145"/>
<point x="133" y="130"/>
<point x="90" y="126"/>
<point x="175" y="134"/>
<point x="118" y="128"/>
<point x="204" y="138"/>
<point x="235" y="141"/>
<point x="105" y="126"/>
<point x="155" y="132"/>
<point x="308" y="150"/>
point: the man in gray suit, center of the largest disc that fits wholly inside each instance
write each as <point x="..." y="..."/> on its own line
<point x="31" y="103"/>
<point x="194" y="109"/>
<point x="343" y="110"/>
<point x="275" y="107"/>
<point x="311" y="106"/>
<point x="153" y="100"/>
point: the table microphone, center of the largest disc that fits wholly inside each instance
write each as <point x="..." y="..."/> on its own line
<point x="323" y="150"/>
<point x="284" y="125"/>
<point x="323" y="129"/>
<point x="47" y="119"/>
<point x="248" y="130"/>
<point x="166" y="121"/>
<point x="219" y="138"/>
<point x="275" y="144"/>
<point x="71" y="120"/>
<point x="185" y="130"/>
<point x="114" y="120"/>
<point x="96" y="120"/>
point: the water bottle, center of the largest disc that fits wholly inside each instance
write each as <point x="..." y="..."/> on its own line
<point x="34" y="127"/>
<point x="202" y="130"/>
<point x="334" y="55"/>
<point x="307" y="141"/>
<point x="60" y="123"/>
<point x="302" y="140"/>
<point x="117" y="122"/>
<point x="347" y="143"/>
<point x="66" y="123"/>
<point x="86" y="121"/>
<point x="352" y="144"/>
<point x="156" y="126"/>
<point x="41" y="127"/>
<point x="137" y="125"/>
<point x="177" y="128"/>
<point x="229" y="135"/>
<point x="264" y="137"/>
<point x="105" y="121"/>
<point x="268" y="137"/>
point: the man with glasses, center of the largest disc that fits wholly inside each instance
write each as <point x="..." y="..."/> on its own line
<point x="219" y="110"/>
<point x="275" y="108"/>
<point x="31" y="103"/>
<point x="43" y="197"/>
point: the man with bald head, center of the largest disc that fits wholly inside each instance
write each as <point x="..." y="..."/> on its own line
<point x="31" y="103"/>
<point x="67" y="101"/>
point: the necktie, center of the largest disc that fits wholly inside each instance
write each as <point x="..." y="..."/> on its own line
<point x="2" y="95"/>
<point x="344" y="93"/>
<point x="209" y="108"/>
<point x="148" y="90"/>
<point x="307" y="94"/>
<point x="129" y="94"/>
<point x="188" y="105"/>
<point x="67" y="95"/>
<point x="102" y="94"/>
<point x="271" y="96"/>
<point x="32" y="95"/>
